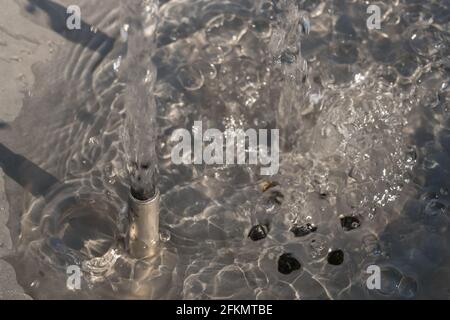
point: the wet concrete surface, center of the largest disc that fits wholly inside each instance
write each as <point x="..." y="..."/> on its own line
<point x="22" y="44"/>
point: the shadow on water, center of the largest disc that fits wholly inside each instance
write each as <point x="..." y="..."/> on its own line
<point x="18" y="165"/>
<point x="88" y="36"/>
<point x="25" y="173"/>
<point x="24" y="166"/>
<point x="27" y="176"/>
<point x="4" y="125"/>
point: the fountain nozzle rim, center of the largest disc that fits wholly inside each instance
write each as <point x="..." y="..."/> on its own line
<point x="154" y="198"/>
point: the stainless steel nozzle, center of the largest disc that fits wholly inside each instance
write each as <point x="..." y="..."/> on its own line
<point x="143" y="233"/>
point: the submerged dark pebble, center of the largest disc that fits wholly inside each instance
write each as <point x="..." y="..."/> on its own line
<point x="349" y="223"/>
<point x="335" y="257"/>
<point x="275" y="197"/>
<point x="303" y="230"/>
<point x="287" y="263"/>
<point x="258" y="232"/>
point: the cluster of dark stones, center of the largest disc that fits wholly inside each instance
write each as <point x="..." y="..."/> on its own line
<point x="287" y="263"/>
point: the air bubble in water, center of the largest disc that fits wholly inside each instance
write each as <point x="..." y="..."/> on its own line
<point x="261" y="28"/>
<point x="191" y="78"/>
<point x="215" y="54"/>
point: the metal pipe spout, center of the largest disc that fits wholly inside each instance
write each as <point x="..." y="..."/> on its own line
<point x="143" y="233"/>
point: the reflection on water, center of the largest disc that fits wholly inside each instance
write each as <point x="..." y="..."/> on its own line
<point x="364" y="166"/>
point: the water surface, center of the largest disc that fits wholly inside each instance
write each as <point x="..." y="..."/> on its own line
<point x="364" y="123"/>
